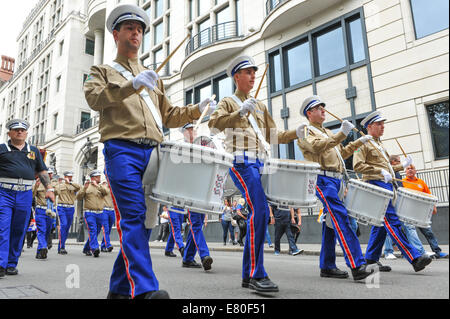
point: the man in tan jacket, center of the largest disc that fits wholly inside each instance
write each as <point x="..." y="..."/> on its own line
<point x="109" y="217"/>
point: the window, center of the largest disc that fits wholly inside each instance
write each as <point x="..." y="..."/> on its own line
<point x="159" y="8"/>
<point x="191" y="10"/>
<point x="330" y="50"/>
<point x="58" y="83"/>
<point x="158" y="57"/>
<point x="357" y="51"/>
<point x="90" y="47"/>
<point x="203" y="33"/>
<point x="203" y="7"/>
<point x="275" y="72"/>
<point x="298" y="59"/>
<point x="202" y="92"/>
<point x="429" y="17"/>
<point x="439" y="125"/>
<point x="55" y="121"/>
<point x="85" y="116"/>
<point x="146" y="42"/>
<point x="223" y="87"/>
<point x="159" y="33"/>
<point x="61" y="47"/>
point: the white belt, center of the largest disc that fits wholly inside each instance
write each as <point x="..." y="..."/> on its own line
<point x="93" y="211"/>
<point x="66" y="205"/>
<point x="16" y="181"/>
<point x="19" y="188"/>
<point x="41" y="207"/>
<point x="144" y="141"/>
<point x="108" y="208"/>
<point x="332" y="174"/>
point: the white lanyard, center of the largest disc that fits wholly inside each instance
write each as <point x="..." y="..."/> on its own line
<point x="383" y="152"/>
<point x="127" y="75"/>
<point x="254" y="126"/>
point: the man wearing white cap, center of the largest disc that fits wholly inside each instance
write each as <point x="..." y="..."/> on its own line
<point x="19" y="163"/>
<point x="131" y="125"/>
<point x="372" y="160"/>
<point x="246" y="137"/>
<point x="324" y="147"/>
<point x="66" y="191"/>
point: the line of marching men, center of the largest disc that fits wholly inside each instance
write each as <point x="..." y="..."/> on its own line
<point x="98" y="212"/>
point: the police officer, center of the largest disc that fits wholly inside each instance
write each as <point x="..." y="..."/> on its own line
<point x="195" y="240"/>
<point x="66" y="191"/>
<point x="93" y="194"/>
<point x="108" y="221"/>
<point x="19" y="162"/>
<point x="372" y="160"/>
<point x="324" y="147"/>
<point x="246" y="137"/>
<point x="131" y="125"/>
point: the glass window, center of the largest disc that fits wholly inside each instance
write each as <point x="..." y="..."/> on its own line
<point x="275" y="72"/>
<point x="283" y="151"/>
<point x="202" y="93"/>
<point x="189" y="98"/>
<point x="330" y="51"/>
<point x="158" y="56"/>
<point x="159" y="9"/>
<point x="429" y="16"/>
<point x="148" y="10"/>
<point x="90" y="47"/>
<point x="239" y="17"/>
<point x="439" y="125"/>
<point x="357" y="51"/>
<point x="224" y="27"/>
<point x="203" y="7"/>
<point x="203" y="33"/>
<point x="298" y="64"/>
<point x="159" y="33"/>
<point x="191" y="10"/>
<point x="146" y="42"/>
<point x="223" y="87"/>
<point x="85" y="116"/>
<point x="224" y="15"/>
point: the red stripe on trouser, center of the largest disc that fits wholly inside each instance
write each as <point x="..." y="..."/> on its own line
<point x="119" y="231"/>
<point x="252" y="226"/>
<point x="192" y="231"/>
<point x="173" y="231"/>
<point x="341" y="235"/>
<point x="398" y="241"/>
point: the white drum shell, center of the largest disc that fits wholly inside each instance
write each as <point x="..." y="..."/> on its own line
<point x="414" y="209"/>
<point x="290" y="184"/>
<point x="191" y="177"/>
<point x="367" y="203"/>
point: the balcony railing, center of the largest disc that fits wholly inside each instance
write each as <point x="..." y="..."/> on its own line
<point x="437" y="181"/>
<point x="93" y="121"/>
<point x="272" y="4"/>
<point x="216" y="33"/>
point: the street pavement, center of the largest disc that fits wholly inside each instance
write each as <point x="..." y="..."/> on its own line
<point x="76" y="276"/>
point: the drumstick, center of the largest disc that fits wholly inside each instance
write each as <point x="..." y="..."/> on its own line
<point x="402" y="181"/>
<point x="213" y="97"/>
<point x="401" y="148"/>
<point x="163" y="64"/>
<point x="260" y="84"/>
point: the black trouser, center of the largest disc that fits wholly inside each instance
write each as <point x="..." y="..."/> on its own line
<point x="163" y="231"/>
<point x="31" y="236"/>
<point x="284" y="228"/>
<point x="242" y="224"/>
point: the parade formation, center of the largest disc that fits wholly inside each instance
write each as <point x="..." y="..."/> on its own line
<point x="142" y="172"/>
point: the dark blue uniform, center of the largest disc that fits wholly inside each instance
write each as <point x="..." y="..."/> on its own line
<point x="17" y="173"/>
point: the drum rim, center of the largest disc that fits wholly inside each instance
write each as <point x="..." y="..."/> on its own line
<point x="375" y="188"/>
<point x="404" y="191"/>
<point x="280" y="162"/>
<point x="196" y="147"/>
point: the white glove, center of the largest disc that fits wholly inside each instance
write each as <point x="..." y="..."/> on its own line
<point x="147" y="78"/>
<point x="407" y="161"/>
<point x="248" y="106"/>
<point x="387" y="176"/>
<point x="301" y="131"/>
<point x="364" y="139"/>
<point x="204" y="104"/>
<point x="346" y="127"/>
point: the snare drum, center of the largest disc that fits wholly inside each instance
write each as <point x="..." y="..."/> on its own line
<point x="367" y="203"/>
<point x="290" y="183"/>
<point x="415" y="207"/>
<point x="191" y="177"/>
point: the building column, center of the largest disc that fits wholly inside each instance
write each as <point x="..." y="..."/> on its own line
<point x="99" y="45"/>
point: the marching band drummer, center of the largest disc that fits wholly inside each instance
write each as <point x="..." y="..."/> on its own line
<point x="131" y="125"/>
<point x="324" y="147"/>
<point x="376" y="170"/>
<point x="246" y="139"/>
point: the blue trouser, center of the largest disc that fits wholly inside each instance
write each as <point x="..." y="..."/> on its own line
<point x="175" y="236"/>
<point x="195" y="240"/>
<point x="44" y="227"/>
<point x="431" y="238"/>
<point x="65" y="222"/>
<point x="15" y="210"/>
<point x="94" y="224"/>
<point x="411" y="233"/>
<point x="327" y="191"/>
<point x="392" y="226"/>
<point x="125" y="164"/>
<point x="109" y="216"/>
<point x="388" y="248"/>
<point x="247" y="178"/>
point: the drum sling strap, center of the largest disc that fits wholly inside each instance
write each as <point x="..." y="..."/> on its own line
<point x="151" y="172"/>
<point x="255" y="127"/>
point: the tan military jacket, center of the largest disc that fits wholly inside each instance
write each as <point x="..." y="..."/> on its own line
<point x="67" y="192"/>
<point x="317" y="148"/>
<point x="123" y="113"/>
<point x="368" y="161"/>
<point x="39" y="192"/>
<point x="93" y="197"/>
<point x="227" y="116"/>
<point x="108" y="203"/>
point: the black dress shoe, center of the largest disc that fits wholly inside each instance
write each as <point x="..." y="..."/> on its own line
<point x="191" y="264"/>
<point x="182" y="252"/>
<point x="42" y="253"/>
<point x="245" y="283"/>
<point x="159" y="294"/>
<point x="421" y="262"/>
<point x="2" y="272"/>
<point x="62" y="251"/>
<point x="87" y="252"/>
<point x="110" y="249"/>
<point x="382" y="268"/>
<point x="206" y="262"/>
<point x="169" y="254"/>
<point x="112" y="295"/>
<point x="361" y="272"/>
<point x="104" y="250"/>
<point x="11" y="271"/>
<point x="96" y="252"/>
<point x="333" y="273"/>
<point x="263" y="285"/>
